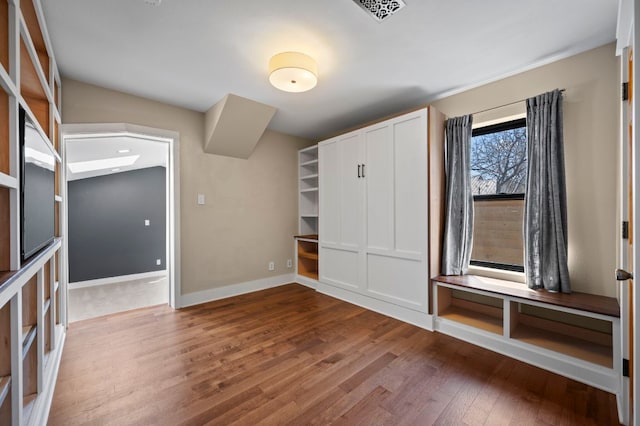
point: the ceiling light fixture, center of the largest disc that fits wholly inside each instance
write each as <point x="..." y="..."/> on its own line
<point x="293" y="72"/>
<point x="123" y="151"/>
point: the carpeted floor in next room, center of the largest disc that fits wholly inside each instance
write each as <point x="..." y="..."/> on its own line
<point x="96" y="301"/>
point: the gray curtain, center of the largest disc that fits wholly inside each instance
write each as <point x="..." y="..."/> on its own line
<point x="545" y="217"/>
<point x="458" y="222"/>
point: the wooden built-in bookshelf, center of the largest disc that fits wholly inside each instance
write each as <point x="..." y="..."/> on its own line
<point x="31" y="319"/>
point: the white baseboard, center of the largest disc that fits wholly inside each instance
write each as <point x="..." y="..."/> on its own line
<point x="115" y="280"/>
<point x="306" y="281"/>
<point x="40" y="413"/>
<point x="419" y="319"/>
<point x="210" y="295"/>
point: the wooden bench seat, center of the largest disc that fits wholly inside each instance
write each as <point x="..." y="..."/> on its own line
<point x="576" y="335"/>
<point x="581" y="301"/>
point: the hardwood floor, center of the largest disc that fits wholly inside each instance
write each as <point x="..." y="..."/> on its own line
<point x="290" y="355"/>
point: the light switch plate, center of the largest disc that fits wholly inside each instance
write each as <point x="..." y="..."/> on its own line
<point x="147" y="222"/>
<point x="201" y="200"/>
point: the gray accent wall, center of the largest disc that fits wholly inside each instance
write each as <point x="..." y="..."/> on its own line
<point x="107" y="232"/>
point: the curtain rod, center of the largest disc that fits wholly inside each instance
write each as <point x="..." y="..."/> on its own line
<point x="505" y="105"/>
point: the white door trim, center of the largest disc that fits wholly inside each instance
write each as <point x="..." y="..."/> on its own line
<point x="172" y="138"/>
<point x="635" y="181"/>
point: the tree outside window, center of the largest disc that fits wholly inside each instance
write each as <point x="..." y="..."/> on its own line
<point x="498" y="180"/>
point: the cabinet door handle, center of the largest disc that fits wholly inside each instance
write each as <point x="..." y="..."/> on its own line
<point x="363" y="170"/>
<point x="359" y="171"/>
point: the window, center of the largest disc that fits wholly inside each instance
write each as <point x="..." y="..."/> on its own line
<point x="498" y="181"/>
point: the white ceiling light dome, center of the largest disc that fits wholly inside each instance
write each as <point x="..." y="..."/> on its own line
<point x="293" y="72"/>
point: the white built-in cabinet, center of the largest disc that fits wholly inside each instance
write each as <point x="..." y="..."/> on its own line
<point x="373" y="239"/>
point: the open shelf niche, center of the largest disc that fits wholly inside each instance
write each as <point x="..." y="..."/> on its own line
<point x="482" y="312"/>
<point x="592" y="341"/>
<point x="308" y="257"/>
<point x="5" y="364"/>
<point x="4" y="35"/>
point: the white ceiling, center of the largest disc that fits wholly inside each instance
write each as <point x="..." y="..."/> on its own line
<point x="151" y="153"/>
<point x="192" y="53"/>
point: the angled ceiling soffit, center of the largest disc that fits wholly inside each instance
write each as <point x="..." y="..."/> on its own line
<point x="234" y="125"/>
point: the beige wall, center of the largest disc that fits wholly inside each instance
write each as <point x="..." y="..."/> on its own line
<point x="251" y="211"/>
<point x="591" y="125"/>
<point x="251" y="204"/>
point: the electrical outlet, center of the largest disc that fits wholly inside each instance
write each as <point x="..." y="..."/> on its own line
<point x="158" y="262"/>
<point x="289" y="263"/>
<point x="272" y="266"/>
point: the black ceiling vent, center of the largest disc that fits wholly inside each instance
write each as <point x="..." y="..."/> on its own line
<point x="380" y="9"/>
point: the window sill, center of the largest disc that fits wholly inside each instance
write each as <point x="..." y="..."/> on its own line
<point x="498" y="274"/>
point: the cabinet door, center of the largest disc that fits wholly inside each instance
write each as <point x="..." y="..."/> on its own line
<point x="341" y="211"/>
<point x="396" y="210"/>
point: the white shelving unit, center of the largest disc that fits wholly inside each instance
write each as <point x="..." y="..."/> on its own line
<point x="308" y="190"/>
<point x="306" y="244"/>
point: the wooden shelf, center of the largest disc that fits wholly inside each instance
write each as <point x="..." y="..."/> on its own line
<point x="568" y="345"/>
<point x="5" y="400"/>
<point x="311" y="256"/>
<point x="473" y="318"/>
<point x="8" y="181"/>
<point x="312" y="237"/>
<point x="5" y="341"/>
<point x="309" y="163"/>
<point x="309" y="215"/>
<point x="9" y="277"/>
<point x="309" y="190"/>
<point x="5" y="387"/>
<point x="28" y="336"/>
<point x="5" y="235"/>
<point x="4" y="134"/>
<point x="314" y="176"/>
<point x="27" y="405"/>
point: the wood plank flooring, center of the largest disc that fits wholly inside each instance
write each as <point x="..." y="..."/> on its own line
<point x="290" y="355"/>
